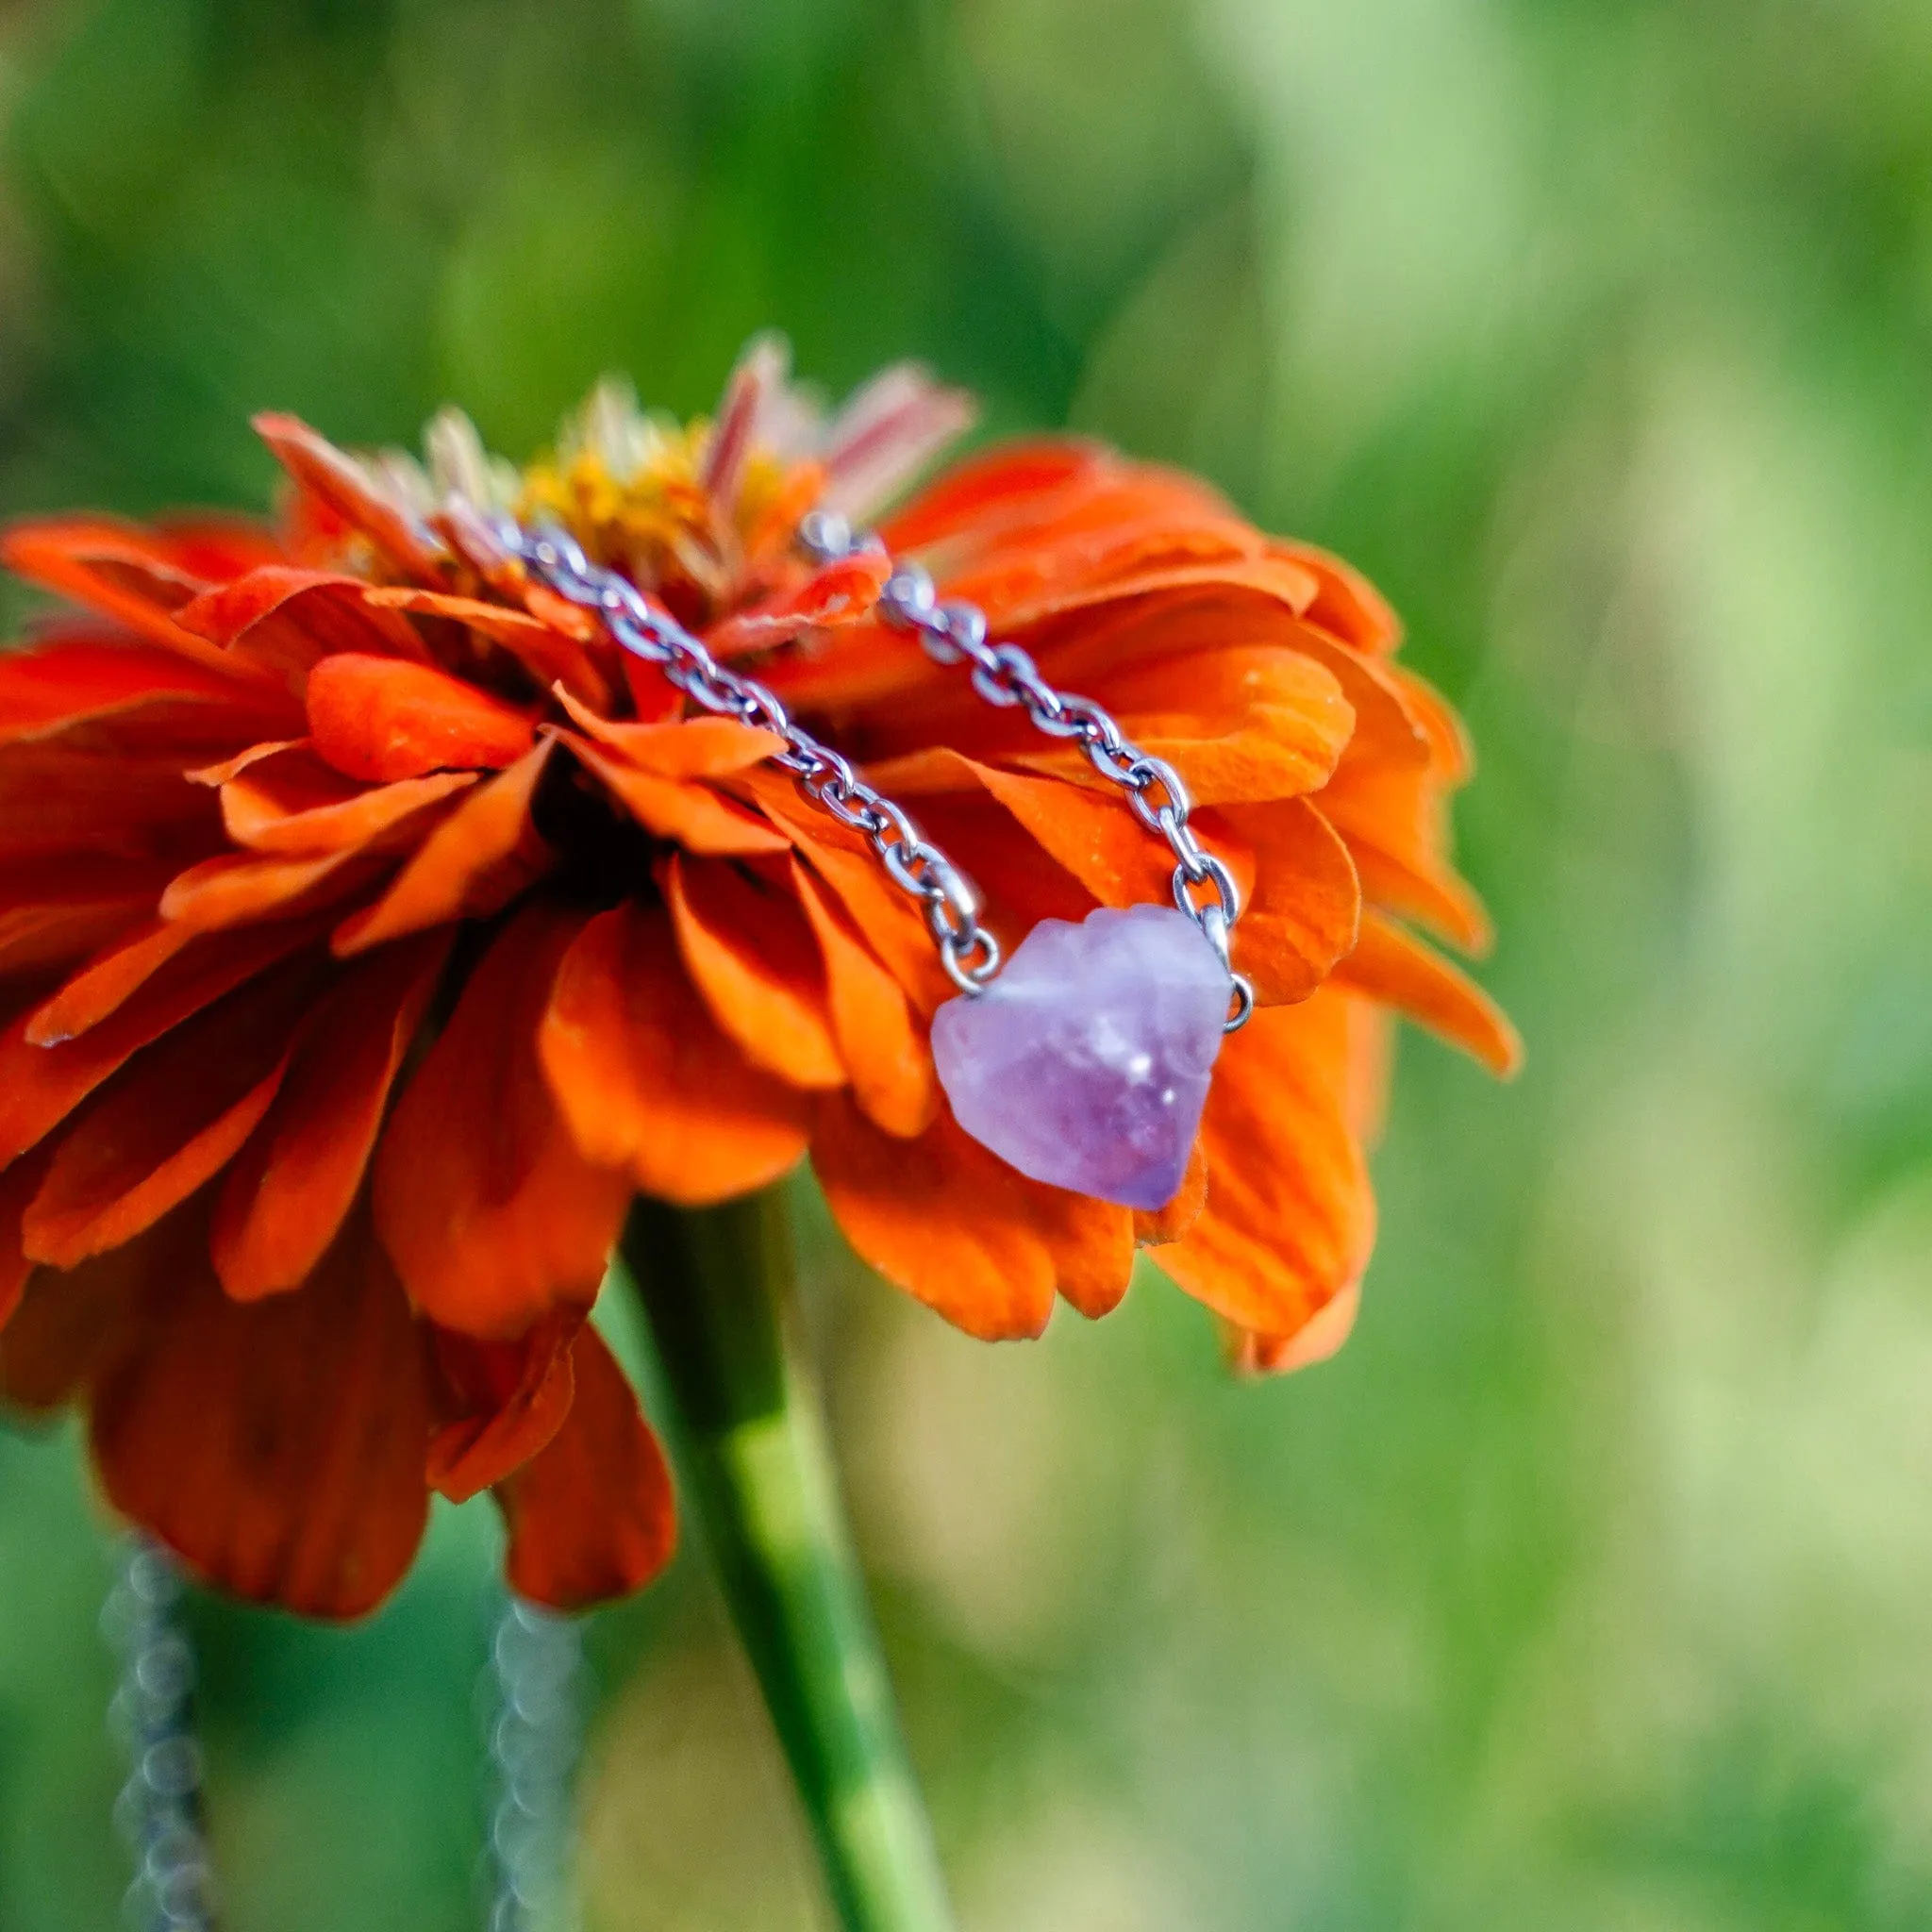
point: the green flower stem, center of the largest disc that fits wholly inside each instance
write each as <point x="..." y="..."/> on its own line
<point x="718" y="1287"/>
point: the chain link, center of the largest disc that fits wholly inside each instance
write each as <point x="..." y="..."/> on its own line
<point x="535" y="1703"/>
<point x="158" y="1811"/>
<point x="954" y="632"/>
<point x="968" y="951"/>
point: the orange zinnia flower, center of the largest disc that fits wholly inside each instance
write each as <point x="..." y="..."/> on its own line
<point x="371" y="928"/>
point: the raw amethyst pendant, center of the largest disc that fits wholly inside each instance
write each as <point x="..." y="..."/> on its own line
<point x="1086" y="1063"/>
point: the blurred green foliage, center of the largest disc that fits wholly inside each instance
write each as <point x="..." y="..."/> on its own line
<point x="1587" y="1587"/>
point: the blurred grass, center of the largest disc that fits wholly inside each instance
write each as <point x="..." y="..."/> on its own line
<point x="1585" y="1589"/>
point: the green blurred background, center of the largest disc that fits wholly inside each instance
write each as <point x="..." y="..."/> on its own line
<point x="1589" y="1587"/>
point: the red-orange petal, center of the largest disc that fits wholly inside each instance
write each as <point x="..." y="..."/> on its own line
<point x="286" y="619"/>
<point x="57" y="800"/>
<point x="489" y="1212"/>
<point x="129" y="575"/>
<point x="646" y="1081"/>
<point x="55" y="915"/>
<point x="170" y="1120"/>
<point x="501" y="1402"/>
<point x="287" y="1195"/>
<point x="18" y="1184"/>
<point x="277" y="1449"/>
<point x="380" y="719"/>
<point x="40" y="1085"/>
<point x="591" y="1516"/>
<point x="67" y="1326"/>
<point x="240" y="890"/>
<point x="107" y="981"/>
<point x="83" y="679"/>
<point x="324" y="473"/>
<point x="684" y="748"/>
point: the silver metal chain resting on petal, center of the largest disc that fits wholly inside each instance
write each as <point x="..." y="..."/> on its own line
<point x="968" y="951"/>
<point x="954" y="632"/>
<point x="158" y="1811"/>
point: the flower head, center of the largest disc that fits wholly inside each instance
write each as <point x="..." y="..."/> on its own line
<point x="372" y="928"/>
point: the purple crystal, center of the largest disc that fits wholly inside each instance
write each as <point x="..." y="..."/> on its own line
<point x="1086" y="1063"/>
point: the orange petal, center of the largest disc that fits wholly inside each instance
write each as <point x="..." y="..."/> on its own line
<point x="691" y="815"/>
<point x="292" y="802"/>
<point x="1289" y="1218"/>
<point x="550" y="655"/>
<point x="1395" y="820"/>
<point x="82" y="680"/>
<point x="891" y="1063"/>
<point x="749" y="949"/>
<point x="490" y="1214"/>
<point x="1323" y="1336"/>
<point x="842" y="859"/>
<point x="686" y="748"/>
<point x="1229" y="687"/>
<point x="500" y="1401"/>
<point x="215" y="545"/>
<point x="485" y="853"/>
<point x="277" y="1449"/>
<point x="1302" y="910"/>
<point x="1090" y="834"/>
<point x="1091" y="1243"/>
<point x="287" y="1195"/>
<point x="591" y="1516"/>
<point x="1392" y="965"/>
<point x="380" y="719"/>
<point x="40" y="1085"/>
<point x="940" y="1218"/>
<point x="1345" y="602"/>
<point x="646" y="1081"/>
<point x="996" y="484"/>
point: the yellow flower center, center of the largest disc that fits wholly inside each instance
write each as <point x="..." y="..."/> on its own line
<point x="643" y="505"/>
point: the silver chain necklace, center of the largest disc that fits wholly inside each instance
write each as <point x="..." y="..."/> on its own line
<point x="158" y="1811"/>
<point x="951" y="633"/>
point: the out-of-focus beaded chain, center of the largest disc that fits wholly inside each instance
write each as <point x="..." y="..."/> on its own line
<point x="535" y="1739"/>
<point x="159" y="1812"/>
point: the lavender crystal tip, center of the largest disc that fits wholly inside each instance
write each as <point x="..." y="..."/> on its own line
<point x="1086" y="1063"/>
